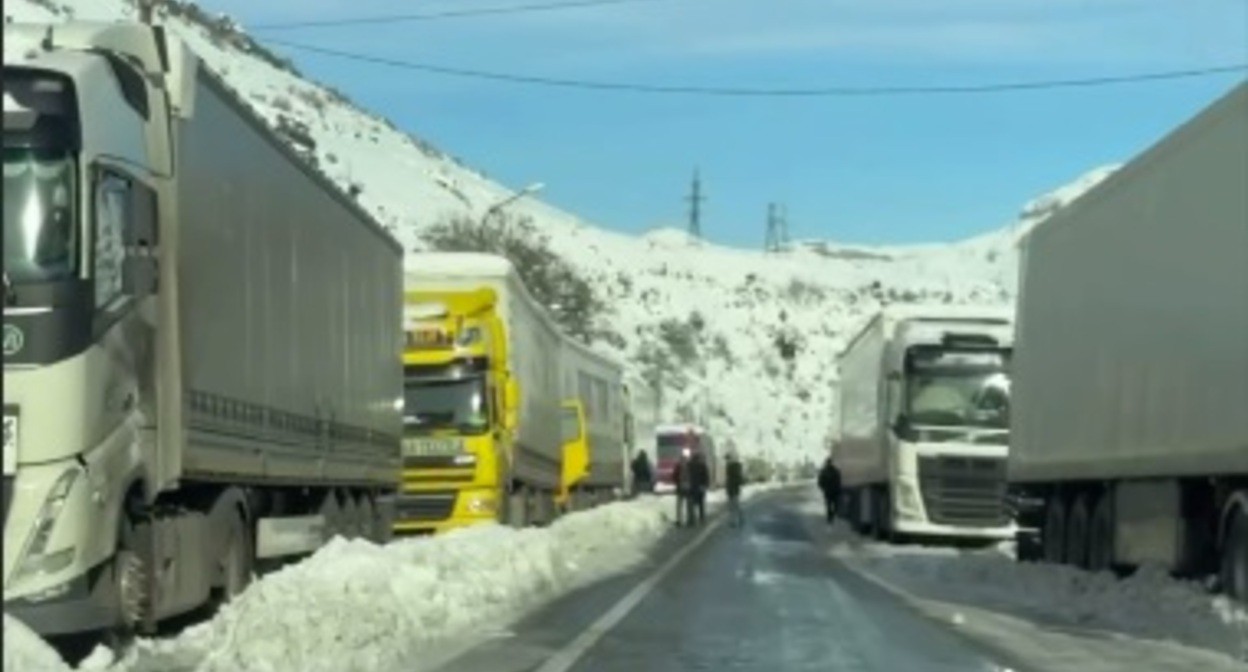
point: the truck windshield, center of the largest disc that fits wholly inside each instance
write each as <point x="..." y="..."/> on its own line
<point x="461" y="404"/>
<point x="670" y="445"/>
<point x="40" y="236"/>
<point x="959" y="391"/>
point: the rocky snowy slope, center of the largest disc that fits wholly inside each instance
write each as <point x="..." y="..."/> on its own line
<point x="743" y="340"/>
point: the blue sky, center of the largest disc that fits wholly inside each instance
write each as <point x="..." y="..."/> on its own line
<point x="857" y="170"/>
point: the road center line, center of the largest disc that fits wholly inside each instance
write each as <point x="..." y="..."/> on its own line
<point x="565" y="658"/>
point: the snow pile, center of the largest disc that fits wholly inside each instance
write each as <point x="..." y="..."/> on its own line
<point x="740" y="341"/>
<point x="26" y="651"/>
<point x="355" y="605"/>
<point x="1149" y="603"/>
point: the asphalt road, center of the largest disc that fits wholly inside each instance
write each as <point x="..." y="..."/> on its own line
<point x="763" y="597"/>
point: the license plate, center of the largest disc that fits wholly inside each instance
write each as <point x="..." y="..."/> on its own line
<point x="10" y="445"/>
<point x="430" y="447"/>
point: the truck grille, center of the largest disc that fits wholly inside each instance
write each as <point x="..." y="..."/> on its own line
<point x="963" y="490"/>
<point x="429" y="462"/>
<point x="425" y="506"/>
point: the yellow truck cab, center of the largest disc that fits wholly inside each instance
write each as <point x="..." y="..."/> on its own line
<point x="458" y="410"/>
<point x="576" y="451"/>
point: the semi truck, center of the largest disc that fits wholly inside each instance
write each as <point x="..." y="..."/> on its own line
<point x="201" y="338"/>
<point x="482" y="439"/>
<point x="1130" y="427"/>
<point x="674" y="440"/>
<point x="595" y="457"/>
<point x="924" y="423"/>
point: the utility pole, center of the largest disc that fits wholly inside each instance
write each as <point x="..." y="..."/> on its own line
<point x="784" y="226"/>
<point x="695" y="199"/>
<point x="145" y="11"/>
<point x="772" y="242"/>
<point x="777" y="228"/>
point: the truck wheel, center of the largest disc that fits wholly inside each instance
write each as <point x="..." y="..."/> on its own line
<point x="516" y="509"/>
<point x="883" y="524"/>
<point x="352" y="517"/>
<point x="132" y="571"/>
<point x="1077" y="533"/>
<point x="331" y="510"/>
<point x="368" y="514"/>
<point x="1053" y="535"/>
<point x="1101" y="534"/>
<point x="1235" y="556"/>
<point x="238" y="561"/>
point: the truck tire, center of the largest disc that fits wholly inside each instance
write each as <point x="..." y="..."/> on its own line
<point x="1235" y="556"/>
<point x="1053" y="534"/>
<point x="1101" y="534"/>
<point x="238" y="561"/>
<point x="331" y="509"/>
<point x="353" y="522"/>
<point x="132" y="572"/>
<point x="368" y="514"/>
<point x="517" y="508"/>
<point x="882" y="524"/>
<point x="1077" y="527"/>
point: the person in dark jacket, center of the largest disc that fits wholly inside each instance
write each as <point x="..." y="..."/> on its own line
<point x="682" y="479"/>
<point x="643" y="477"/>
<point x="699" y="483"/>
<point x="734" y="480"/>
<point x="830" y="484"/>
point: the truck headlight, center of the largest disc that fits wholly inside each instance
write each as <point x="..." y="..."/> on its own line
<point x="479" y="503"/>
<point x="465" y="460"/>
<point x="908" y="500"/>
<point x="468" y="336"/>
<point x="35" y="558"/>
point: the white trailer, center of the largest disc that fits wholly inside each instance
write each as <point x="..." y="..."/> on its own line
<point x="201" y="338"/>
<point x="924" y="396"/>
<point x="1131" y="423"/>
<point x="533" y="346"/>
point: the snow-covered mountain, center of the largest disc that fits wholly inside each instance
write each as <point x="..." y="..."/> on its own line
<point x="743" y="340"/>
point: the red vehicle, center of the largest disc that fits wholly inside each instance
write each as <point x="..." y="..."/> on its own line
<point x="673" y="440"/>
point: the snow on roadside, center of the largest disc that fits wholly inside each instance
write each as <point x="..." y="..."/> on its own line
<point x="24" y="650"/>
<point x="355" y="605"/>
<point x="1148" y="604"/>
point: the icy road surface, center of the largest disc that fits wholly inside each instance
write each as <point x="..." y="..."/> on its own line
<point x="789" y="593"/>
<point x="765" y="597"/>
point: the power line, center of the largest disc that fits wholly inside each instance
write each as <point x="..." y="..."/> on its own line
<point x="448" y="14"/>
<point x="815" y="92"/>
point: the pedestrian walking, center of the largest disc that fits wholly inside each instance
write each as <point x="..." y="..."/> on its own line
<point x="830" y="484"/>
<point x="699" y="483"/>
<point x="682" y="478"/>
<point x="643" y="476"/>
<point x="734" y="480"/>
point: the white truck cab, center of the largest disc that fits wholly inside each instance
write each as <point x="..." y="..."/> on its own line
<point x="925" y="423"/>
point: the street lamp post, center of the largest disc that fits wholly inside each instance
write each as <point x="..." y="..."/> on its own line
<point x="494" y="209"/>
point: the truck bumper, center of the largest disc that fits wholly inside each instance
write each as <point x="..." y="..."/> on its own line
<point x="925" y="529"/>
<point x="83" y="604"/>
<point x="437" y="511"/>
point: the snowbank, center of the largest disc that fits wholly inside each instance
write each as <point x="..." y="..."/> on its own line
<point x="1148" y="604"/>
<point x="24" y="651"/>
<point x="355" y="605"/>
